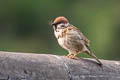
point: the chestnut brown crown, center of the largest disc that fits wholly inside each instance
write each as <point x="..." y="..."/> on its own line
<point x="59" y="20"/>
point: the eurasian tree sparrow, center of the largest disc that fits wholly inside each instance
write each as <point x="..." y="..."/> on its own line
<point x="70" y="38"/>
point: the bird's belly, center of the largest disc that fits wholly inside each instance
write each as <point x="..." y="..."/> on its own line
<point x="61" y="42"/>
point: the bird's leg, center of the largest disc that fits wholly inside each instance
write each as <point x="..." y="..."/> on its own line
<point x="70" y="54"/>
<point x="73" y="56"/>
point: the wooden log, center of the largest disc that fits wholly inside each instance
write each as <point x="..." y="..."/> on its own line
<point x="27" y="66"/>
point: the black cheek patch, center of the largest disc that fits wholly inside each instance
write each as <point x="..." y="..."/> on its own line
<point x="62" y="25"/>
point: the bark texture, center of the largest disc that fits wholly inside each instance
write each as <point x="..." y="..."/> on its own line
<point x="27" y="66"/>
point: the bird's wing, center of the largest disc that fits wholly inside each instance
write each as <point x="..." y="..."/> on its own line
<point x="86" y="41"/>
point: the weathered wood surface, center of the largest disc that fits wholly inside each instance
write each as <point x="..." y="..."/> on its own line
<point x="27" y="66"/>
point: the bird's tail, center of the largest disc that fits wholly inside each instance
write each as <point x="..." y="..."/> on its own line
<point x="92" y="55"/>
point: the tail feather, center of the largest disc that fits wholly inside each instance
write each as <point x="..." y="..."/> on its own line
<point x="92" y="55"/>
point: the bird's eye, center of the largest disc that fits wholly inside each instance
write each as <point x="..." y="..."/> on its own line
<point x="59" y="22"/>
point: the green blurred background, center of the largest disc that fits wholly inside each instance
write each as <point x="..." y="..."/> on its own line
<point x="25" y="25"/>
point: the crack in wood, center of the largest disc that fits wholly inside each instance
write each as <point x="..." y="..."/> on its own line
<point x="66" y="67"/>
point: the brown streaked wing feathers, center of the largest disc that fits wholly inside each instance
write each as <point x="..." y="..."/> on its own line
<point x="83" y="37"/>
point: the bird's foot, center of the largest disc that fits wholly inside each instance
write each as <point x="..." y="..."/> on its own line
<point x="72" y="57"/>
<point x="69" y="55"/>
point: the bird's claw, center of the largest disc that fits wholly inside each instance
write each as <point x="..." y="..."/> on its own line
<point x="71" y="56"/>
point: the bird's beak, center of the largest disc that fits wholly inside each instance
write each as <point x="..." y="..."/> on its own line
<point x="53" y="24"/>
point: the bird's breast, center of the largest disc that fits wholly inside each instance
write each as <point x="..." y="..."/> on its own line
<point x="61" y="38"/>
<point x="61" y="41"/>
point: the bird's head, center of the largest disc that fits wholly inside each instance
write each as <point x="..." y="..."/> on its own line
<point x="60" y="23"/>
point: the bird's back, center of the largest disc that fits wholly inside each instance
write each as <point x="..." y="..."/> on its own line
<point x="85" y="40"/>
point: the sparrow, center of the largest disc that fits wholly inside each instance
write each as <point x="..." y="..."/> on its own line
<point x="71" y="39"/>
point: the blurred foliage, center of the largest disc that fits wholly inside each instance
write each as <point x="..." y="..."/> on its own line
<point x="24" y="25"/>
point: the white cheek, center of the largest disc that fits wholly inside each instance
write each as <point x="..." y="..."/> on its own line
<point x="57" y="32"/>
